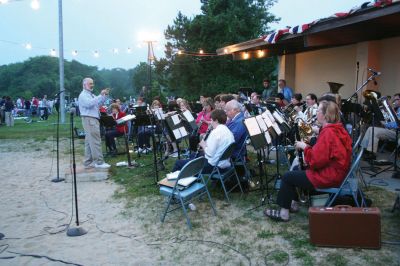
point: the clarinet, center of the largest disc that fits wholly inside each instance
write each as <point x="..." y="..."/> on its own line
<point x="299" y="152"/>
<point x="204" y="138"/>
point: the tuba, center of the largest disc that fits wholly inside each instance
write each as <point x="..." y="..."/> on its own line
<point x="334" y="87"/>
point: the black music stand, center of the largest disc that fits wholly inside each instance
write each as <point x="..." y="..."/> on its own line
<point x="260" y="129"/>
<point x="107" y="121"/>
<point x="121" y="121"/>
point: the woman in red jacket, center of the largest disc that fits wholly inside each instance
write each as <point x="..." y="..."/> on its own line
<point x="328" y="162"/>
<point x="118" y="131"/>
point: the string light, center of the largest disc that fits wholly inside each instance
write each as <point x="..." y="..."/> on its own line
<point x="53" y="52"/>
<point x="201" y="51"/>
<point x="179" y="52"/>
<point x="35" y="5"/>
<point x="96" y="54"/>
<point x="28" y="46"/>
<point x="245" y="56"/>
<point x="74" y="53"/>
<point x="225" y="51"/>
<point x="129" y="50"/>
<point x="260" y="53"/>
<point x="115" y="51"/>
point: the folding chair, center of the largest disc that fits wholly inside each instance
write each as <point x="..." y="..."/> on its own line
<point x="186" y="194"/>
<point x="356" y="149"/>
<point x="225" y="174"/>
<point x="349" y="185"/>
<point x="241" y="161"/>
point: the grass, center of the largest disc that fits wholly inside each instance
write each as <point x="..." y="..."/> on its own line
<point x="239" y="224"/>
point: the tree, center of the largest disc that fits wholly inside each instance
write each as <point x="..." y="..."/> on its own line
<point x="221" y="23"/>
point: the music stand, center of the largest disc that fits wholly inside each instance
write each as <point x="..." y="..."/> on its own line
<point x="122" y="121"/>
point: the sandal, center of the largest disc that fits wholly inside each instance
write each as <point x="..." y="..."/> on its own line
<point x="274" y="215"/>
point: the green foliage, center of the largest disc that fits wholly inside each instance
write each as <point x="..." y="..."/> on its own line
<point x="38" y="76"/>
<point x="221" y="23"/>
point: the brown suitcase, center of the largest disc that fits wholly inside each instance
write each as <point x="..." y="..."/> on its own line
<point x="345" y="226"/>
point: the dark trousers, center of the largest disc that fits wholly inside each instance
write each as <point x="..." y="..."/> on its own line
<point x="110" y="141"/>
<point x="290" y="181"/>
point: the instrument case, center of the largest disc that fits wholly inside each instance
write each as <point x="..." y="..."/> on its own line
<point x="345" y="226"/>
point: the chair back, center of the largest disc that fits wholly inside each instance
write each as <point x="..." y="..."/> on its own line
<point x="356" y="145"/>
<point x="242" y="149"/>
<point x="226" y="155"/>
<point x="193" y="168"/>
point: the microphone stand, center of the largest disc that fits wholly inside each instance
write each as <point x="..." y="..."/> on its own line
<point x="57" y="178"/>
<point x="75" y="231"/>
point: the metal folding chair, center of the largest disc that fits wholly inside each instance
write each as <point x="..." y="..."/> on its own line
<point x="185" y="194"/>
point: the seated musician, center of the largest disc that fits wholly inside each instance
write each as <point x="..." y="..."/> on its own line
<point x="118" y="131"/>
<point x="255" y="105"/>
<point x="204" y="117"/>
<point x="297" y="105"/>
<point x="328" y="162"/>
<point x="381" y="133"/>
<point x="236" y="126"/>
<point x="224" y="99"/>
<point x="144" y="132"/>
<point x="219" y="139"/>
<point x="312" y="106"/>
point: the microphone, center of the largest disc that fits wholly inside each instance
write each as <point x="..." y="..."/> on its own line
<point x="375" y="73"/>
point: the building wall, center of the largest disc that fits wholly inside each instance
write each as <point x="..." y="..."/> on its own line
<point x="312" y="70"/>
<point x="389" y="81"/>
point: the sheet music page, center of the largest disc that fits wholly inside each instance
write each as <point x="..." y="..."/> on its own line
<point x="268" y="137"/>
<point x="125" y="119"/>
<point x="175" y="119"/>
<point x="267" y="120"/>
<point x="188" y="115"/>
<point x="261" y="123"/>
<point x="159" y="113"/>
<point x="278" y="117"/>
<point x="276" y="128"/>
<point x="177" y="133"/>
<point x="270" y="116"/>
<point x="183" y="132"/>
<point x="252" y="126"/>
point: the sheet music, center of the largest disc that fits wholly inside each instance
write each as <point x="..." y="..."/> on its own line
<point x="252" y="126"/>
<point x="267" y="120"/>
<point x="125" y="119"/>
<point x="270" y="116"/>
<point x="268" y="137"/>
<point x="276" y="128"/>
<point x="175" y="119"/>
<point x="278" y="117"/>
<point x="159" y="113"/>
<point x="261" y="123"/>
<point x="180" y="133"/>
<point x="188" y="115"/>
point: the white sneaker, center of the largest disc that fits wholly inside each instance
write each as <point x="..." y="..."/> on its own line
<point x="139" y="150"/>
<point x="103" y="165"/>
<point x="89" y="166"/>
<point x="174" y="154"/>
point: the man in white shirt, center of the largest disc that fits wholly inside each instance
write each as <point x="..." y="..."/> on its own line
<point x="89" y="107"/>
<point x="216" y="143"/>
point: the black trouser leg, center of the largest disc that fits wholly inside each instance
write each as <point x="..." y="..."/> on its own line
<point x="290" y="181"/>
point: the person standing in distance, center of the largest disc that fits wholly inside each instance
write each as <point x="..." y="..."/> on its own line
<point x="89" y="107"/>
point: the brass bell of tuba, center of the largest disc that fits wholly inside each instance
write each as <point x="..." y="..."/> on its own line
<point x="334" y="86"/>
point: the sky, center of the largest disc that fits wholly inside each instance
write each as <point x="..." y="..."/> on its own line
<point x="105" y="25"/>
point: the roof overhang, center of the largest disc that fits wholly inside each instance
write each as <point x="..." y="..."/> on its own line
<point x="365" y="25"/>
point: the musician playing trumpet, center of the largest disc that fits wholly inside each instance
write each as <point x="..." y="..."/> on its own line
<point x="328" y="162"/>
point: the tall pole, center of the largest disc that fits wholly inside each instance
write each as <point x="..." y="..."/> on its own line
<point x="61" y="61"/>
<point x="150" y="58"/>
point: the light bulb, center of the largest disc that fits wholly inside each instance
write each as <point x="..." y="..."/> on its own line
<point x="28" y="46"/>
<point x="35" y="5"/>
<point x="96" y="54"/>
<point x="129" y="50"/>
<point x="74" y="53"/>
<point x="53" y="52"/>
<point x="201" y="51"/>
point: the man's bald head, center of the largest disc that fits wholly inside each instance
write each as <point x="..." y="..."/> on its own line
<point x="232" y="108"/>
